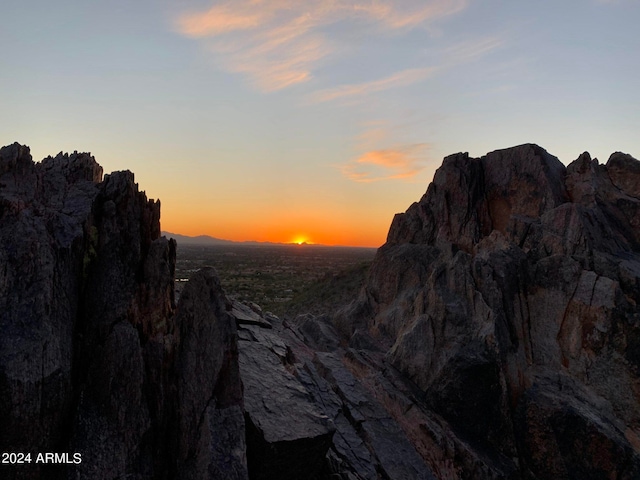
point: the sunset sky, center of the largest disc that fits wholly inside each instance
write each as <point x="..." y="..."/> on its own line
<point x="317" y="119"/>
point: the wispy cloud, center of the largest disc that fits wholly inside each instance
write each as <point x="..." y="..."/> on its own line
<point x="405" y="14"/>
<point x="279" y="43"/>
<point x="471" y="50"/>
<point x="397" y="163"/>
<point x="217" y="20"/>
<point x="399" y="79"/>
<point x="454" y="55"/>
<point x="276" y="63"/>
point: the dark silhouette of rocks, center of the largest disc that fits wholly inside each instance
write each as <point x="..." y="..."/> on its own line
<point x="94" y="358"/>
<point x="509" y="295"/>
<point x="497" y="336"/>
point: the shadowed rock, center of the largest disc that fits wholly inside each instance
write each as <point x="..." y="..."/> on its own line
<point x="210" y="430"/>
<point x="288" y="435"/>
<point x="509" y="294"/>
<point x="93" y="358"/>
<point x="497" y="335"/>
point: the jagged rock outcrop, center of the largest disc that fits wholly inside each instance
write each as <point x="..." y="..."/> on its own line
<point x="497" y="336"/>
<point x="509" y="295"/>
<point x="94" y="358"/>
<point x="210" y="415"/>
<point x="42" y="223"/>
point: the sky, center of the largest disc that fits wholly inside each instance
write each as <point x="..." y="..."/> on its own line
<point x="312" y="120"/>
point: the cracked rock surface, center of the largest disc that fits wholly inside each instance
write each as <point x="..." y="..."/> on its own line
<point x="509" y="296"/>
<point x="497" y="335"/>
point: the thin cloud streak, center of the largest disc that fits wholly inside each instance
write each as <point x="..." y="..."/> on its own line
<point x="272" y="68"/>
<point x="397" y="18"/>
<point x="430" y="11"/>
<point x="471" y="50"/>
<point x="458" y="54"/>
<point x="399" y="79"/>
<point x="217" y="20"/>
<point x="279" y="43"/>
<point x="397" y="163"/>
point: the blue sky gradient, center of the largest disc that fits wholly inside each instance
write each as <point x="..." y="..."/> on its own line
<point x="319" y="119"/>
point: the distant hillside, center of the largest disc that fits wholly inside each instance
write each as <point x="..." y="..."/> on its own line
<point x="207" y="240"/>
<point x="199" y="240"/>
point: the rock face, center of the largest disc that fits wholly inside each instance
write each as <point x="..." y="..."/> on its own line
<point x="288" y="435"/>
<point x="311" y="411"/>
<point x="94" y="357"/>
<point x="497" y="336"/>
<point x="509" y="296"/>
<point x="210" y="429"/>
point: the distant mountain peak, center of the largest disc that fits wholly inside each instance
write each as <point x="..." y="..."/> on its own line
<point x="197" y="240"/>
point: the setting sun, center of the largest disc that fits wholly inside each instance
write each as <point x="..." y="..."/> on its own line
<point x="299" y="240"/>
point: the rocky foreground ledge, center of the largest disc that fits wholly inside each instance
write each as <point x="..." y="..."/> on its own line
<point x="497" y="336"/>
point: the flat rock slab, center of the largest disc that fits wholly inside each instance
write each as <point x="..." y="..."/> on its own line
<point x="350" y="451"/>
<point x="385" y="439"/>
<point x="287" y="434"/>
<point x="245" y="315"/>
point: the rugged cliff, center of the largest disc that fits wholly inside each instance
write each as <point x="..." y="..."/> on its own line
<point x="497" y="336"/>
<point x="509" y="294"/>
<point x="94" y="358"/>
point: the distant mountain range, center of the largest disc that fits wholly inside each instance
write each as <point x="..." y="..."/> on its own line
<point x="212" y="241"/>
<point x="208" y="240"/>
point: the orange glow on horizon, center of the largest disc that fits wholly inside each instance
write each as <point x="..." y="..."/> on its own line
<point x="300" y="239"/>
<point x="305" y="225"/>
<point x="322" y="239"/>
<point x="324" y="235"/>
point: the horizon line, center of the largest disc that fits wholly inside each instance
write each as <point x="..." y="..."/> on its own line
<point x="257" y="242"/>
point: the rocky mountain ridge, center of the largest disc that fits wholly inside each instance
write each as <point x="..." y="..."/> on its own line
<point x="496" y="335"/>
<point x="94" y="356"/>
<point x="509" y="294"/>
